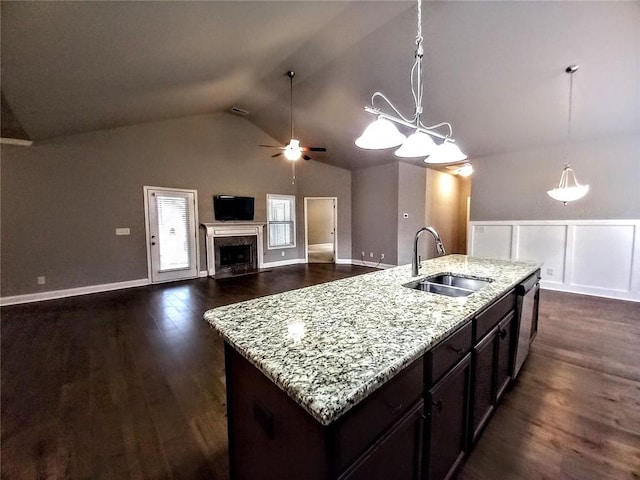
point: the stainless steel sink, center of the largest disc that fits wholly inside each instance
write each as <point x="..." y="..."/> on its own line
<point x="449" y="285"/>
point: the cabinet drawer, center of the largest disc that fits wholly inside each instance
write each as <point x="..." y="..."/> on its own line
<point x="490" y="317"/>
<point x="362" y="426"/>
<point x="447" y="353"/>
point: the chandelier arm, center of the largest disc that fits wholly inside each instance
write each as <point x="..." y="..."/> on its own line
<point x="438" y="125"/>
<point x="378" y="94"/>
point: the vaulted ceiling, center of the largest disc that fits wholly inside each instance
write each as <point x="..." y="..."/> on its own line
<point x="494" y="70"/>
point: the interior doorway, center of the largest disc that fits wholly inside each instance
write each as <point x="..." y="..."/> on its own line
<point x="171" y="219"/>
<point x="321" y="229"/>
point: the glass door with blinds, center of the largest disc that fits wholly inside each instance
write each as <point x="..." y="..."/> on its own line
<point x="171" y="233"/>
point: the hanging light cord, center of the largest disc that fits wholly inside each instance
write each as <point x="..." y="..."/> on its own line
<point x="291" y="74"/>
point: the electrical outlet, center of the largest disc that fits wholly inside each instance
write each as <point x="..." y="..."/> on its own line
<point x="382" y="256"/>
<point x="282" y="253"/>
<point x="371" y="254"/>
<point x="550" y="271"/>
<point x="123" y="231"/>
<point x="42" y="280"/>
<point x="362" y="255"/>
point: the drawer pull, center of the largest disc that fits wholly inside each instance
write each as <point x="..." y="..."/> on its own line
<point x="459" y="351"/>
<point x="438" y="405"/>
<point x="503" y="332"/>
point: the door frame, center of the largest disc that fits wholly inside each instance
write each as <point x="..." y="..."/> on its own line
<point x="145" y="190"/>
<point x="335" y="227"/>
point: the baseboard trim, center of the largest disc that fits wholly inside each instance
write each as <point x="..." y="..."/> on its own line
<point x="71" y="292"/>
<point x="282" y="263"/>
<point x="625" y="296"/>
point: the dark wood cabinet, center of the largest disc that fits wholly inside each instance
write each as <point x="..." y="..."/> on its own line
<point x="504" y="364"/>
<point x="484" y="360"/>
<point x="447" y="416"/>
<point x="397" y="455"/>
<point x="492" y="370"/>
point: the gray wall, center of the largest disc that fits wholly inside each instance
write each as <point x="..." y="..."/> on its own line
<point x="513" y="186"/>
<point x="317" y="179"/>
<point x="374" y="193"/>
<point x="411" y="200"/>
<point x="320" y="221"/>
<point x="63" y="199"/>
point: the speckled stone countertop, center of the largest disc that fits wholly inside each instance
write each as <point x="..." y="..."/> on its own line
<point x="330" y="345"/>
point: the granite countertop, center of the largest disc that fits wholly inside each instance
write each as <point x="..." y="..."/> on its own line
<point x="330" y="345"/>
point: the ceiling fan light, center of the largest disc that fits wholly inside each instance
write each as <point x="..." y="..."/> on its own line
<point x="447" y="152"/>
<point x="380" y="134"/>
<point x="417" y="144"/>
<point x="293" y="151"/>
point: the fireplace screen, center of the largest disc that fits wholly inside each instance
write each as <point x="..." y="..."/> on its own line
<point x="231" y="255"/>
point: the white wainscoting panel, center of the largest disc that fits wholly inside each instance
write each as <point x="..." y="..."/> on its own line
<point x="545" y="244"/>
<point x="592" y="257"/>
<point x="494" y="241"/>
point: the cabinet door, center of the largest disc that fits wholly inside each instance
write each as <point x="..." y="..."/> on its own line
<point x="447" y="416"/>
<point x="484" y="385"/>
<point x="505" y="355"/>
<point x="396" y="455"/>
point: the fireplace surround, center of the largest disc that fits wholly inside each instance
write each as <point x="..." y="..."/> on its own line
<point x="233" y="248"/>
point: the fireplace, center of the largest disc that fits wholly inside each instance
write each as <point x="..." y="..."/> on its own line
<point x="233" y="248"/>
<point x="235" y="255"/>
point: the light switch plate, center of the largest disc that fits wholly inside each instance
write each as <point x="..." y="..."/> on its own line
<point x="123" y="231"/>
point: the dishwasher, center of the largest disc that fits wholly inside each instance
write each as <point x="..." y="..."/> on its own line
<point x="527" y="295"/>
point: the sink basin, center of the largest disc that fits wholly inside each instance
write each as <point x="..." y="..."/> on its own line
<point x="449" y="285"/>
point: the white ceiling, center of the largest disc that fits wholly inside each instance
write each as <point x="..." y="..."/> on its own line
<point x="495" y="70"/>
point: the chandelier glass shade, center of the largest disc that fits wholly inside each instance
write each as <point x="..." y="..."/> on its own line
<point x="379" y="135"/>
<point x="568" y="189"/>
<point x="383" y="132"/>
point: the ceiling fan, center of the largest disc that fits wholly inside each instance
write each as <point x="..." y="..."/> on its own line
<point x="293" y="150"/>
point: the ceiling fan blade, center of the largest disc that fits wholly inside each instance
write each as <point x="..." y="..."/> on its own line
<point x="276" y="155"/>
<point x="314" y="149"/>
<point x="306" y="157"/>
<point x="272" y="146"/>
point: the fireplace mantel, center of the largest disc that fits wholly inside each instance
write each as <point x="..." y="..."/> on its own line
<point x="231" y="229"/>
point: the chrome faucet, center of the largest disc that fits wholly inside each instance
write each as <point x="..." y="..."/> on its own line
<point x="439" y="247"/>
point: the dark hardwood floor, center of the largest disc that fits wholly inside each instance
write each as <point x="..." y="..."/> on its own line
<point x="130" y="384"/>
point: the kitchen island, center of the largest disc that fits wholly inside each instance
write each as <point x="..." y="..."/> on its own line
<point x="318" y="379"/>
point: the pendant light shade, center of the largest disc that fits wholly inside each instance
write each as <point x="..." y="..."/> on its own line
<point x="447" y="152"/>
<point x="417" y="144"/>
<point x="380" y="134"/>
<point x="568" y="189"/>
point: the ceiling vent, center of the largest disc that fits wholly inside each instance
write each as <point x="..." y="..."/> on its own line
<point x="239" y="111"/>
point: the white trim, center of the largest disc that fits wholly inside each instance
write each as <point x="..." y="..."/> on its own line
<point x="335" y="227"/>
<point x="294" y="232"/>
<point x="231" y="229"/>
<point x="574" y="261"/>
<point x="145" y="190"/>
<point x="72" y="292"/>
<point x="282" y="263"/>
<point x="202" y="273"/>
<point x="19" y="142"/>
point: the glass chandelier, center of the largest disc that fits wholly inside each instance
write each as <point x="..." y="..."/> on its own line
<point x="383" y="132"/>
<point x="569" y="189"/>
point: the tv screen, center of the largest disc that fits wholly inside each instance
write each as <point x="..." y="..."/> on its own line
<point x="230" y="207"/>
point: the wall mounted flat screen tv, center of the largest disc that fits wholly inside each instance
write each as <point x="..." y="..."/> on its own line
<point x="231" y="207"/>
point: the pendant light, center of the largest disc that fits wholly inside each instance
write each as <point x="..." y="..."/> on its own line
<point x="569" y="189"/>
<point x="383" y="132"/>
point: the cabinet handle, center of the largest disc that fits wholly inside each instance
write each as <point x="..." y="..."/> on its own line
<point x="459" y="351"/>
<point x="503" y="332"/>
<point x="438" y="405"/>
